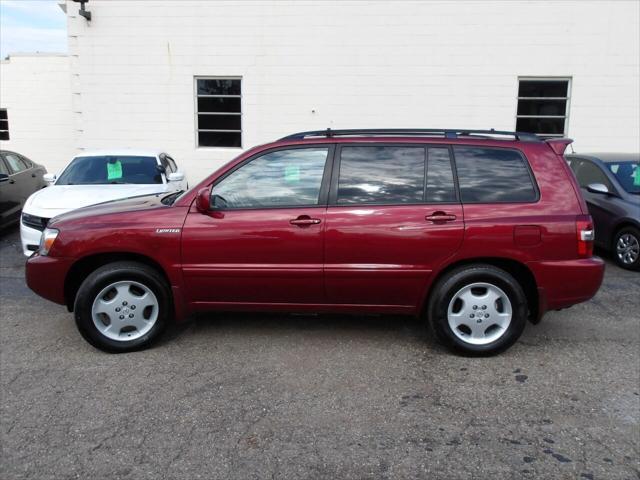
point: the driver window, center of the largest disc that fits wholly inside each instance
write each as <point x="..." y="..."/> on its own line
<point x="284" y="178"/>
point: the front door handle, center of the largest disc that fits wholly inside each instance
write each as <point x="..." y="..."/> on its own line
<point x="440" y="217"/>
<point x="304" y="221"/>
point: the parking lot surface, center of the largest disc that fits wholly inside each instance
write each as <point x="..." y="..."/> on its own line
<point x="336" y="397"/>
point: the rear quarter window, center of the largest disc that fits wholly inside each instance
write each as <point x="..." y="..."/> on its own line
<point x="493" y="175"/>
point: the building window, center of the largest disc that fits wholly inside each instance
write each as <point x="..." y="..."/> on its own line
<point x="4" y="124"/>
<point x="543" y="106"/>
<point x="219" y="112"/>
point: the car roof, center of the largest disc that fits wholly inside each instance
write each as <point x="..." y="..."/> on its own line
<point x="134" y="152"/>
<point x="607" y="157"/>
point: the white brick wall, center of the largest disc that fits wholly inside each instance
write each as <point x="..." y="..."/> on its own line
<point x="355" y="63"/>
<point x="35" y="91"/>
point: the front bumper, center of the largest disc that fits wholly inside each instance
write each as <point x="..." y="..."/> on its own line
<point x="567" y="282"/>
<point x="29" y="238"/>
<point x="46" y="276"/>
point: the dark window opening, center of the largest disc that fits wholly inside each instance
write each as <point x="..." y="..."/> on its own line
<point x="219" y="112"/>
<point x="4" y="124"/>
<point x="542" y="107"/>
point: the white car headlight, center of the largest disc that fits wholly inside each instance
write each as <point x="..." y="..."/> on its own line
<point x="49" y="236"/>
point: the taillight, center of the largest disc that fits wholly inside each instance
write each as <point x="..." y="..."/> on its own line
<point x="586" y="235"/>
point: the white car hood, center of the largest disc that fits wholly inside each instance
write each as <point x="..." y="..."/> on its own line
<point x="57" y="199"/>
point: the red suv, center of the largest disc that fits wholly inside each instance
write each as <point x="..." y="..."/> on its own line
<point x="474" y="231"/>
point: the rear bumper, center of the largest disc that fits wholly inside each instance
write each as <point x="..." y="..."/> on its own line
<point x="46" y="275"/>
<point x="565" y="283"/>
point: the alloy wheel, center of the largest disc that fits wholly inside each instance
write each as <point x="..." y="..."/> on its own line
<point x="479" y="313"/>
<point x="125" y="310"/>
<point x="628" y="248"/>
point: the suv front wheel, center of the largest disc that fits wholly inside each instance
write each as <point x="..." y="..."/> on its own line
<point x="478" y="310"/>
<point x="122" y="306"/>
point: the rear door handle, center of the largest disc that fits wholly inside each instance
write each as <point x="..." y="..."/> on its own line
<point x="440" y="217"/>
<point x="304" y="221"/>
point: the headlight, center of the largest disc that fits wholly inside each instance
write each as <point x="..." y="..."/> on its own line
<point x="49" y="236"/>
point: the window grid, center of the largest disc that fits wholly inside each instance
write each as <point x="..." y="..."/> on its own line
<point x="4" y="124"/>
<point x="199" y="112"/>
<point x="565" y="98"/>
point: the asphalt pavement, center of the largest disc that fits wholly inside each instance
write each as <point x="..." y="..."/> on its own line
<point x="313" y="397"/>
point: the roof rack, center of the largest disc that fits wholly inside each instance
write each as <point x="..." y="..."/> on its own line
<point x="412" y="132"/>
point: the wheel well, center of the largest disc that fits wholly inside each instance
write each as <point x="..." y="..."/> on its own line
<point x="519" y="271"/>
<point x="83" y="267"/>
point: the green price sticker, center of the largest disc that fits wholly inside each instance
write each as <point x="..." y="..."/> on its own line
<point x="636" y="177"/>
<point x="114" y="170"/>
<point x="292" y="173"/>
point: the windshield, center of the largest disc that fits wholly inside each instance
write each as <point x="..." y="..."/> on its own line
<point x="627" y="174"/>
<point x="107" y="169"/>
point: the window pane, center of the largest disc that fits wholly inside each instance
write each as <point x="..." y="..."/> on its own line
<point x="540" y="125"/>
<point x="220" y="104"/>
<point x="4" y="125"/>
<point x="111" y="169"/>
<point x="440" y="186"/>
<point x="588" y="173"/>
<point x="218" y="87"/>
<point x="385" y="175"/>
<point x="219" y="122"/>
<point x="4" y="135"/>
<point x="542" y="107"/>
<point x="627" y="174"/>
<point x="543" y="88"/>
<point x="15" y="164"/>
<point x="3" y="114"/>
<point x="276" y="179"/>
<point x="219" y="139"/>
<point x="488" y="175"/>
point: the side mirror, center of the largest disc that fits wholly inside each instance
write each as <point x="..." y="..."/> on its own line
<point x="160" y="168"/>
<point x="203" y="200"/>
<point x="4" y="177"/>
<point x="49" y="178"/>
<point x="600" y="188"/>
<point x="175" y="177"/>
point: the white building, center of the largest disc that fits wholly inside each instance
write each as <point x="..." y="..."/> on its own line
<point x="135" y="68"/>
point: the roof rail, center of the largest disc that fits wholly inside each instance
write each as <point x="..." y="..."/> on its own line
<point x="430" y="132"/>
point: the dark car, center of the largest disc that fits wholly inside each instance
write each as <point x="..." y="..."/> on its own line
<point x="19" y="178"/>
<point x="473" y="233"/>
<point x="610" y="184"/>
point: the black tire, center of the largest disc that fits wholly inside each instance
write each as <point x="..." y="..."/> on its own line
<point x="105" y="276"/>
<point x="635" y="234"/>
<point x="451" y="283"/>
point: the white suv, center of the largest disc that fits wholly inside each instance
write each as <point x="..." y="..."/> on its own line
<point x="97" y="177"/>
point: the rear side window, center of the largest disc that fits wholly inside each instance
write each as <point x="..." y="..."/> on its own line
<point x="15" y="162"/>
<point x="381" y="175"/>
<point x="493" y="175"/>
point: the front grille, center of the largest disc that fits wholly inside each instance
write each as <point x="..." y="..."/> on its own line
<point x="39" y="223"/>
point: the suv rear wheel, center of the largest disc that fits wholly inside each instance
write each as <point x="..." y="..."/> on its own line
<point x="626" y="248"/>
<point x="122" y="306"/>
<point x="478" y="310"/>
